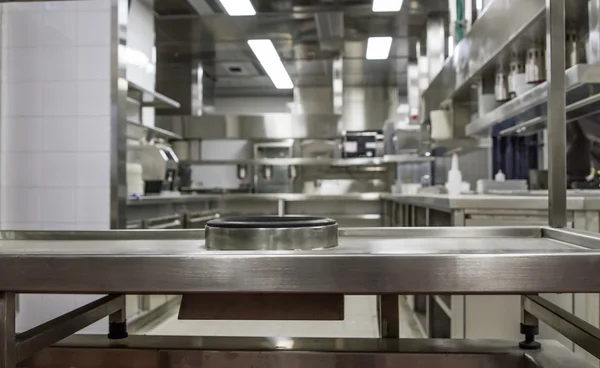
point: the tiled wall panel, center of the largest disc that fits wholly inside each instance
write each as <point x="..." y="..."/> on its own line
<point x="55" y="128"/>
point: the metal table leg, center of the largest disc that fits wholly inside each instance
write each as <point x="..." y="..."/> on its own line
<point x="8" y="358"/>
<point x="117" y="322"/>
<point x="388" y="316"/>
<point x="555" y="61"/>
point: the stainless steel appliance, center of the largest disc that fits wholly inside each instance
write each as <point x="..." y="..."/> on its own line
<point x="361" y="143"/>
<point x="160" y="165"/>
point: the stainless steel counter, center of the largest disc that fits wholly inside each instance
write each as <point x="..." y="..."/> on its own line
<point x="367" y="261"/>
<point x="289" y="197"/>
<point x="525" y="201"/>
<point x="531" y="200"/>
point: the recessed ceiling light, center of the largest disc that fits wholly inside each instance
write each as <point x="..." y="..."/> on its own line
<point x="269" y="59"/>
<point x="387" y="5"/>
<point x="238" y="7"/>
<point x="378" y="48"/>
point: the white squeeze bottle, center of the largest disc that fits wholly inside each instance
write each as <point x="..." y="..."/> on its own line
<point x="454" y="182"/>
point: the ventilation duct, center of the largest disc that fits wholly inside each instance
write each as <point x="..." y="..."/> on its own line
<point x="191" y="84"/>
<point x="330" y="28"/>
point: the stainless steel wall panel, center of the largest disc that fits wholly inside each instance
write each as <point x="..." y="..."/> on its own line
<point x="268" y="126"/>
<point x="365" y="108"/>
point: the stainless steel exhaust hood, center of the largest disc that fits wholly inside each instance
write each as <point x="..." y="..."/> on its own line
<point x="255" y="127"/>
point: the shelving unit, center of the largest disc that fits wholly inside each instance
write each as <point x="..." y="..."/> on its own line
<point x="582" y="83"/>
<point x="149" y="98"/>
<point x="307" y="161"/>
<point x="154" y="131"/>
<point x="138" y="98"/>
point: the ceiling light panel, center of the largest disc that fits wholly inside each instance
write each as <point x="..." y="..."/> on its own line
<point x="269" y="59"/>
<point x="238" y="7"/>
<point x="387" y="5"/>
<point x="378" y="48"/>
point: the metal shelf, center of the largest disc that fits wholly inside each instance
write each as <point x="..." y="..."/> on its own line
<point x="307" y="161"/>
<point x="497" y="32"/>
<point x="411" y="260"/>
<point x="582" y="83"/>
<point x="491" y="38"/>
<point x="443" y="148"/>
<point x="150" y="98"/>
<point x="154" y="131"/>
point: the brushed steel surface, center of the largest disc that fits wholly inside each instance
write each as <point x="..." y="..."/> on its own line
<point x="42" y="336"/>
<point x="557" y="136"/>
<point x="309" y="161"/>
<point x="266" y="126"/>
<point x="288" y="197"/>
<point x="576" y="200"/>
<point x="160" y="351"/>
<point x="575" y="329"/>
<point x="275" y="238"/>
<point x="8" y="350"/>
<point x="367" y="261"/>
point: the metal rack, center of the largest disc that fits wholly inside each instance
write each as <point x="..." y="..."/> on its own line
<point x="150" y="98"/>
<point x="582" y="84"/>
<point x="308" y="161"/>
<point x="431" y="261"/>
<point x="138" y="98"/>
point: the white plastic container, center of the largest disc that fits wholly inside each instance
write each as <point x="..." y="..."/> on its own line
<point x="441" y="129"/>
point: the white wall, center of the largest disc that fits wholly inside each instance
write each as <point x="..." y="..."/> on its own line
<point x="55" y="128"/>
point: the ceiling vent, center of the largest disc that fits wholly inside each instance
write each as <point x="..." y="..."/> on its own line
<point x="237" y="69"/>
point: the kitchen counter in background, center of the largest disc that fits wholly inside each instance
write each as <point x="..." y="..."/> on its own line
<point x="193" y="211"/>
<point x="446" y="315"/>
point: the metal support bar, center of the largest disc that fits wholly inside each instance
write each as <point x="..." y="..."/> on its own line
<point x="8" y="358"/>
<point x="573" y="328"/>
<point x="44" y="335"/>
<point x="388" y="315"/>
<point x="555" y="58"/>
<point x="281" y="207"/>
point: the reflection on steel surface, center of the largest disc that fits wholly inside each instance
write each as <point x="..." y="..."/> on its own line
<point x="366" y="261"/>
<point x="179" y="352"/>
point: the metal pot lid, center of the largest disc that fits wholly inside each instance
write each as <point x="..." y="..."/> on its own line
<point x="269" y="222"/>
<point x="271" y="233"/>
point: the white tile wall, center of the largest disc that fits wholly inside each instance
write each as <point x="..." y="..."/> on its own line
<point x="55" y="128"/>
